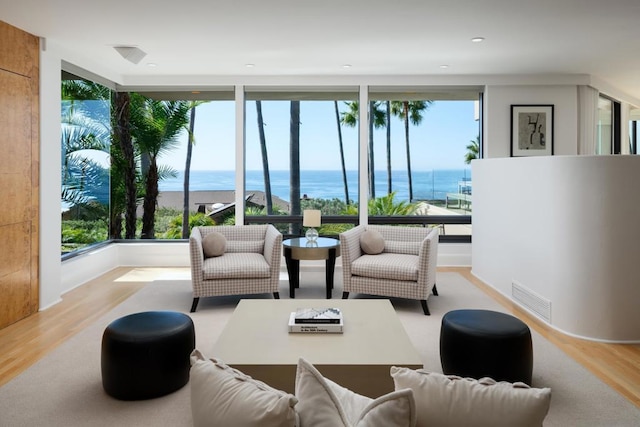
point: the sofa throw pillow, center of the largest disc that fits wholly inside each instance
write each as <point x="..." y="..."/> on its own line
<point x="323" y="403"/>
<point x="372" y="242"/>
<point x="449" y="400"/>
<point x="223" y="396"/>
<point x="214" y="244"/>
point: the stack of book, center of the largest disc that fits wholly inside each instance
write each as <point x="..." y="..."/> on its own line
<point x="316" y="320"/>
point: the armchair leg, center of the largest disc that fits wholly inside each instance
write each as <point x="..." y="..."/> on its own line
<point x="194" y="305"/>
<point x="435" y="290"/>
<point x="345" y="295"/>
<point x="276" y="295"/>
<point x="424" y="307"/>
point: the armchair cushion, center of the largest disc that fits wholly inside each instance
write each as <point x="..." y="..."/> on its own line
<point x="236" y="266"/>
<point x="387" y="266"/>
<point x="254" y="246"/>
<point x="214" y="244"/>
<point x="372" y="242"/>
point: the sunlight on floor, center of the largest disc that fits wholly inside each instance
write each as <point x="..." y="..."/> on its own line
<point x="150" y="274"/>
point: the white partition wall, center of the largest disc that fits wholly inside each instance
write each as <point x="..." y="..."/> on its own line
<point x="559" y="235"/>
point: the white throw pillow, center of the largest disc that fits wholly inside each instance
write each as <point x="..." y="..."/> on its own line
<point x="323" y="403"/>
<point x="448" y="400"/>
<point x="372" y="242"/>
<point x="214" y="244"/>
<point x="223" y="396"/>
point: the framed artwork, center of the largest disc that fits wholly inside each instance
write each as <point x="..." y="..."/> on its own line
<point x="531" y="130"/>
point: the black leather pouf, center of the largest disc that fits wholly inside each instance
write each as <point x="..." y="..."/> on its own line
<point x="483" y="343"/>
<point x="146" y="355"/>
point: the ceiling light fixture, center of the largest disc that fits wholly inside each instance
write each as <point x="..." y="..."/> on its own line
<point x="347" y="66"/>
<point x="152" y="64"/>
<point x="443" y="66"/>
<point x="250" y="65"/>
<point x="477" y="39"/>
<point x="130" y="53"/>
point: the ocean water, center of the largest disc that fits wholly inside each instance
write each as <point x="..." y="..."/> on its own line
<point x="328" y="184"/>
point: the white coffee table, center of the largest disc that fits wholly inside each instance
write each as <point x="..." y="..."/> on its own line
<point x="257" y="342"/>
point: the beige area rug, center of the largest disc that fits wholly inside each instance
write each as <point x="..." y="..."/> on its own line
<point x="65" y="389"/>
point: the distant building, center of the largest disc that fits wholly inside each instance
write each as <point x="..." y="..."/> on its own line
<point x="214" y="203"/>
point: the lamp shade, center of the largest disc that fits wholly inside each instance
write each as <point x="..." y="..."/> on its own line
<point x="311" y="218"/>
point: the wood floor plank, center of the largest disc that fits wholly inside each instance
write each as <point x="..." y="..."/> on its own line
<point x="25" y="342"/>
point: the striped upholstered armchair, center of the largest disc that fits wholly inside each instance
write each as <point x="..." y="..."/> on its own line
<point x="245" y="261"/>
<point x="392" y="261"/>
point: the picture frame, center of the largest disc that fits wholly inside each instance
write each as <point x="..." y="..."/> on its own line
<point x="531" y="130"/>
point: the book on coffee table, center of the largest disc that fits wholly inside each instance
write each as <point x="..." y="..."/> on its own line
<point x="318" y="315"/>
<point x="326" y="328"/>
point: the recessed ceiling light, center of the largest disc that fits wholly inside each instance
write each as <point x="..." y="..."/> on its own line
<point x="152" y="64"/>
<point x="250" y="65"/>
<point x="477" y="39"/>
<point x="443" y="66"/>
<point x="346" y="66"/>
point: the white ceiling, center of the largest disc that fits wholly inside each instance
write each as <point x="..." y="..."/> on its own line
<point x="376" y="37"/>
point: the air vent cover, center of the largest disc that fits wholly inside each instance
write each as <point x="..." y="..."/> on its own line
<point x="532" y="301"/>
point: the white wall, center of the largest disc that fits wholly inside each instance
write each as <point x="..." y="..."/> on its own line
<point x="50" y="180"/>
<point x="497" y="115"/>
<point x="564" y="227"/>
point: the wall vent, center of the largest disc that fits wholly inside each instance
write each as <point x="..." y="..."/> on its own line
<point x="532" y="301"/>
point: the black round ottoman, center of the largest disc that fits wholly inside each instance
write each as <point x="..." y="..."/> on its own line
<point x="146" y="355"/>
<point x="484" y="343"/>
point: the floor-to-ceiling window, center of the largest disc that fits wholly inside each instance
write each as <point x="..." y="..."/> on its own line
<point x="608" y="126"/>
<point x="421" y="143"/>
<point x="174" y="155"/>
<point x="301" y="153"/>
<point x="85" y="162"/>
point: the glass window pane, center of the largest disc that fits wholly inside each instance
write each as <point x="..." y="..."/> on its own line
<point x="85" y="163"/>
<point x="302" y="151"/>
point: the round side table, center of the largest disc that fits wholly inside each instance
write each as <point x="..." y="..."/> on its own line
<point x="300" y="248"/>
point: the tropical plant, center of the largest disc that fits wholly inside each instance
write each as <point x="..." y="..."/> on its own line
<point x="156" y="129"/>
<point x="83" y="179"/>
<point x="350" y="118"/>
<point x="344" y="168"/>
<point x="175" y="228"/>
<point x="388" y="206"/>
<point x="409" y="111"/>
<point x="473" y="150"/>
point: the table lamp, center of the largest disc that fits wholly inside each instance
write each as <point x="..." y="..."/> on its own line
<point x="311" y="218"/>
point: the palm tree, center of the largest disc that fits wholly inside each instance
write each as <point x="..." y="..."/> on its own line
<point x="186" y="228"/>
<point x="265" y="159"/>
<point x="79" y="173"/>
<point x="123" y="171"/>
<point x="344" y="169"/>
<point x="160" y="124"/>
<point x="294" y="160"/>
<point x="388" y="117"/>
<point x="473" y="150"/>
<point x="350" y="118"/>
<point x="409" y="111"/>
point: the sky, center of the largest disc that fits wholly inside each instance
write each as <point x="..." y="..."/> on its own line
<point x="439" y="142"/>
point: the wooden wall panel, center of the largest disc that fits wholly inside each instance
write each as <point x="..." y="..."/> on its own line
<point x="19" y="174"/>
<point x="16" y="50"/>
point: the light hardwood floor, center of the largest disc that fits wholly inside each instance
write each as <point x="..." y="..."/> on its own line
<point x="25" y="342"/>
